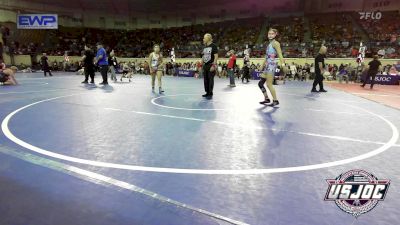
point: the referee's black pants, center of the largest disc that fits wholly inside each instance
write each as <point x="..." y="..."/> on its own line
<point x="318" y="80"/>
<point x="208" y="79"/>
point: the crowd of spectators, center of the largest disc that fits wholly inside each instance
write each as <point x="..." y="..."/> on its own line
<point x="335" y="30"/>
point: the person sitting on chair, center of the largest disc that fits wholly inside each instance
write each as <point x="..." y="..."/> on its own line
<point x="343" y="74"/>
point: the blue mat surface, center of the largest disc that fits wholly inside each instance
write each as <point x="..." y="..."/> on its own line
<point x="182" y="159"/>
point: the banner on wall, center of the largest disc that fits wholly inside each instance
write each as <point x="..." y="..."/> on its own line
<point x="37" y="21"/>
<point x="353" y="5"/>
<point x="385" y="80"/>
<point x="382" y="4"/>
<point x="186" y="73"/>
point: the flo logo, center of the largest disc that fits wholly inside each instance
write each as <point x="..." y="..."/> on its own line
<point x="356" y="191"/>
<point x="370" y="15"/>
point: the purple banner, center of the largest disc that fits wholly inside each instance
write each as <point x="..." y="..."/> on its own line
<point x="186" y="73"/>
<point x="255" y="75"/>
<point x="386" y="80"/>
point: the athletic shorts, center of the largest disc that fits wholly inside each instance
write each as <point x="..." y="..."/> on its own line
<point x="270" y="69"/>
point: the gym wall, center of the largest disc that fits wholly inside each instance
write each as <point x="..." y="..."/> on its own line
<point x="26" y="59"/>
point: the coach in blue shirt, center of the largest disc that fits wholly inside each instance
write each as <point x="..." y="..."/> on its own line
<point x="101" y="59"/>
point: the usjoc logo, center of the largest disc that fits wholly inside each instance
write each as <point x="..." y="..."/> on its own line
<point x="356" y="191"/>
<point x="184" y="72"/>
<point x="37" y="21"/>
<point x="385" y="79"/>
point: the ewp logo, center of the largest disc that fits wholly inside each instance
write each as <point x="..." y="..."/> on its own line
<point x="37" y="21"/>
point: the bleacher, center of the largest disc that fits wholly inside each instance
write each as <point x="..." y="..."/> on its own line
<point x="335" y="30"/>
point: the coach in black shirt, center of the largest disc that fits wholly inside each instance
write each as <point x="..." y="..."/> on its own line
<point x="45" y="65"/>
<point x="319" y="70"/>
<point x="87" y="59"/>
<point x="374" y="67"/>
<point x="210" y="57"/>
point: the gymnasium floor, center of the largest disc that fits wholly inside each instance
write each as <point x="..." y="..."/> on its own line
<point x="83" y="154"/>
<point x="388" y="95"/>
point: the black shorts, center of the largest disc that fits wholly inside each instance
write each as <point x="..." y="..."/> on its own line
<point x="89" y="70"/>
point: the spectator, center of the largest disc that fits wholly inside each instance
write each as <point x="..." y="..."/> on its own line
<point x="246" y="72"/>
<point x="112" y="62"/>
<point x="343" y="74"/>
<point x="231" y="67"/>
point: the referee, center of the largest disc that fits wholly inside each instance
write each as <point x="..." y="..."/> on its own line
<point x="88" y="65"/>
<point x="319" y="70"/>
<point x="210" y="57"/>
